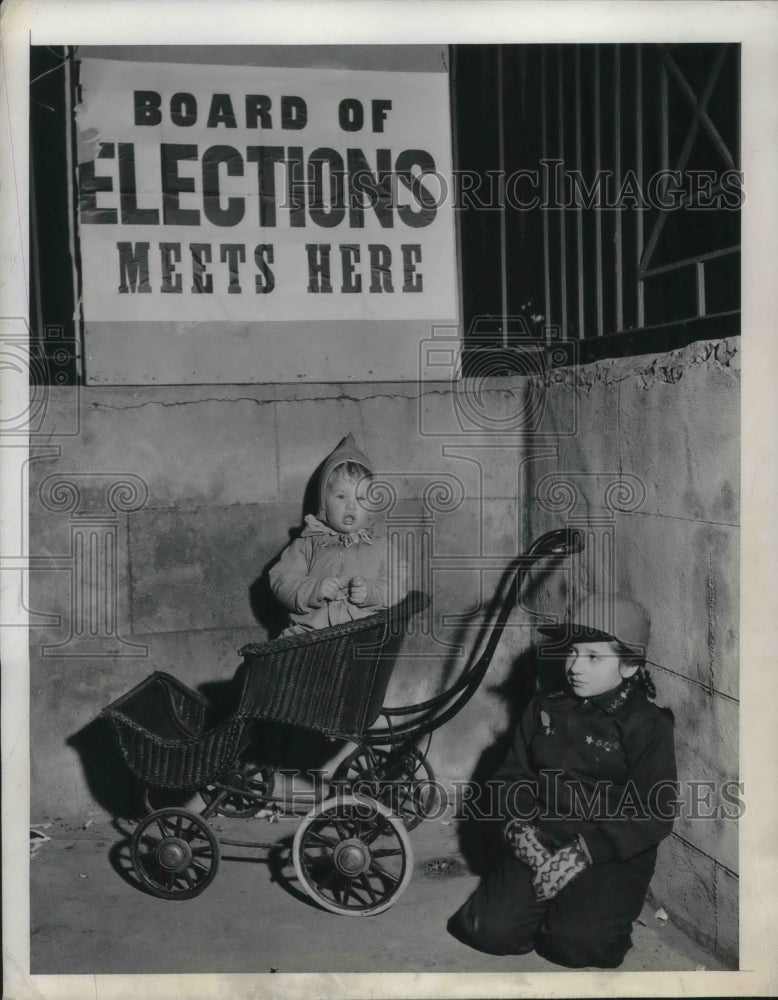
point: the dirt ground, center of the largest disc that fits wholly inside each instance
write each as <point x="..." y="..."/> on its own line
<point x="88" y="915"/>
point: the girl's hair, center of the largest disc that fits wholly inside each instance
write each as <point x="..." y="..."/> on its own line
<point x="349" y="470"/>
<point x="643" y="676"/>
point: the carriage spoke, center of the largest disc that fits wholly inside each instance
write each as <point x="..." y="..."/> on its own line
<point x="188" y="879"/>
<point x="360" y="764"/>
<point x="149" y="840"/>
<point x="164" y="832"/>
<point x="327" y="884"/>
<point x="351" y="893"/>
<point x="378" y="829"/>
<point x="342" y="830"/>
<point x="387" y="852"/>
<point x="375" y="867"/>
<point x="374" y="897"/>
<point x="328" y="841"/>
<point x="358" y="826"/>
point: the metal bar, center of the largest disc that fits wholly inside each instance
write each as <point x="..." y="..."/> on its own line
<point x="700" y="280"/>
<point x="699" y="106"/>
<point x="501" y="181"/>
<point x="73" y="247"/>
<point x="618" y="235"/>
<point x="664" y="145"/>
<point x="38" y="332"/>
<point x="664" y="118"/>
<point x="562" y="218"/>
<point x="544" y="156"/>
<point x="598" y="211"/>
<point x="452" y="90"/>
<point x="676" y="324"/>
<point x="307" y="799"/>
<point x="641" y="288"/>
<point x="738" y="98"/>
<point x="246" y="843"/>
<point x="691" y="135"/>
<point x="685" y="200"/>
<point x="676" y="265"/>
<point x="579" y="210"/>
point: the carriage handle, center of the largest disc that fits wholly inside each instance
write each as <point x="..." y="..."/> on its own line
<point x="560" y="542"/>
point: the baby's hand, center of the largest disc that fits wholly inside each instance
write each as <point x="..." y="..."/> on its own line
<point x="328" y="588"/>
<point x="357" y="591"/>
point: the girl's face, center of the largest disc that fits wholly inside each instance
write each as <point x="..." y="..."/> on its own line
<point x="593" y="668"/>
<point x="344" y="503"/>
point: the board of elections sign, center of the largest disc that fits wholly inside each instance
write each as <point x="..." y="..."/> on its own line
<point x="250" y="224"/>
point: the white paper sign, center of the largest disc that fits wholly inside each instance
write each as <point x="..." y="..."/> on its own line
<point x="245" y="196"/>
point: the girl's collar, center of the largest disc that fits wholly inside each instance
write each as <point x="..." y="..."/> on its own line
<point x="609" y="701"/>
<point x="613" y="700"/>
<point x="313" y="526"/>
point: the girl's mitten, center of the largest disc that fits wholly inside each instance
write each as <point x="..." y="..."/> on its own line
<point x="559" y="869"/>
<point x="523" y="840"/>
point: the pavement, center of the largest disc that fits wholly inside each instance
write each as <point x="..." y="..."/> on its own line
<point x="89" y="915"/>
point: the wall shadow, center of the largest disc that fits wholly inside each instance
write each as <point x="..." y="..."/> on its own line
<point x="286" y="747"/>
<point x="480" y="836"/>
<point x="483" y="618"/>
<point x="270" y="614"/>
<point x="479" y="833"/>
<point x="111" y="784"/>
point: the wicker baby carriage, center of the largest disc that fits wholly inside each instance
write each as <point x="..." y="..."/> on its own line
<point x="331" y="681"/>
<point x="351" y="852"/>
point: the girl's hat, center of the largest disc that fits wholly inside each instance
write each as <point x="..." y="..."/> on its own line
<point x="346" y="451"/>
<point x="603" y="617"/>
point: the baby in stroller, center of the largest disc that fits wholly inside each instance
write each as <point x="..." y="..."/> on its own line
<point x="342" y="567"/>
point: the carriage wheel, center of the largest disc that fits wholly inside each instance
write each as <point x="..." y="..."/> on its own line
<point x="352" y="856"/>
<point x="250" y="786"/>
<point x="401" y="779"/>
<point x="174" y="853"/>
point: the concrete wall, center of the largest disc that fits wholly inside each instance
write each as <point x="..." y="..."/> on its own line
<point x="644" y="453"/>
<point x="652" y="473"/>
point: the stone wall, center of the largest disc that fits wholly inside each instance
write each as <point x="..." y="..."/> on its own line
<point x="152" y="523"/>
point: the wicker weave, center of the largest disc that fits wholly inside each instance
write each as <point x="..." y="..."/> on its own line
<point x="321" y="684"/>
<point x="159" y="727"/>
<point x="332" y="681"/>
